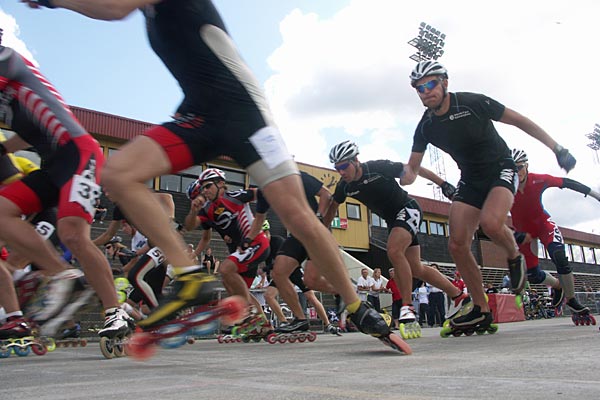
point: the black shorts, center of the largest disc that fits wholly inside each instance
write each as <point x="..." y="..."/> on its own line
<point x="409" y="218"/>
<point x="294" y="249"/>
<point x="475" y="192"/>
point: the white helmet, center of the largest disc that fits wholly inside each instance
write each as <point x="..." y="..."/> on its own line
<point x="211" y="174"/>
<point x="519" y="156"/>
<point x="343" y="151"/>
<point x="427" y="68"/>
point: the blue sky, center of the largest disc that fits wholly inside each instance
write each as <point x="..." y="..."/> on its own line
<point x="338" y="69"/>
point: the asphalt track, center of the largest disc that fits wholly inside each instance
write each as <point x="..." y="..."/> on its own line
<point x="544" y="359"/>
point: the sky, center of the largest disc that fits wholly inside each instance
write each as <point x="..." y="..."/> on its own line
<point x="338" y="69"/>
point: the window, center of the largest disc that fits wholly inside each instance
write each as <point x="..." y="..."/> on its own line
<point x="353" y="211"/>
<point x="180" y="182"/>
<point x="541" y="250"/>
<point x="588" y="254"/>
<point x="597" y="254"/>
<point x="436" y="228"/>
<point x="375" y="219"/>
<point x="568" y="251"/>
<point x="423" y="227"/>
<point x="577" y="253"/>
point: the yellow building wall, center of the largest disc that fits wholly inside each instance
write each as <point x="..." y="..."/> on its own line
<point x="356" y="236"/>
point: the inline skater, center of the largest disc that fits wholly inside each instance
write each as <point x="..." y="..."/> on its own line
<point x="460" y="124"/>
<point x="229" y="213"/>
<point x="224" y="112"/>
<point x="532" y="222"/>
<point x="374" y="184"/>
<point x="72" y="161"/>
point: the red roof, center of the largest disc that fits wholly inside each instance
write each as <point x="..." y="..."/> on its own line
<point x="113" y="126"/>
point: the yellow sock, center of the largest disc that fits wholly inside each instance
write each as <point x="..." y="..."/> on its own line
<point x="353" y="307"/>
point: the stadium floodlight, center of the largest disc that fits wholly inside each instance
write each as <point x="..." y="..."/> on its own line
<point x="594" y="138"/>
<point x="429" y="43"/>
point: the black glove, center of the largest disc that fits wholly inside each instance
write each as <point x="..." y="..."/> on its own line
<point x="45" y="3"/>
<point x="448" y="190"/>
<point x="564" y="158"/>
<point x="246" y="243"/>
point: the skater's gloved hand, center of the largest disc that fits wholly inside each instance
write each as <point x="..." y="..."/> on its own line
<point x="564" y="158"/>
<point x="448" y="190"/>
<point x="246" y="243"/>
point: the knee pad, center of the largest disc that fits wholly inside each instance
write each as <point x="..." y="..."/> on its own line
<point x="536" y="275"/>
<point x="559" y="258"/>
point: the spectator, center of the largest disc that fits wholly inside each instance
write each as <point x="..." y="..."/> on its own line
<point x="209" y="262"/>
<point x="422" y="294"/>
<point x="396" y="298"/>
<point x="100" y="211"/>
<point x="458" y="281"/>
<point x="363" y="284"/>
<point x="490" y="288"/>
<point x="436" y="303"/>
<point x="506" y="281"/>
<point x="376" y="288"/>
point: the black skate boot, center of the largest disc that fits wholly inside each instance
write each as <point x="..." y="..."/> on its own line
<point x="189" y="290"/>
<point x="472" y="319"/>
<point x="294" y="326"/>
<point x="518" y="273"/>
<point x="370" y="322"/>
<point x="558" y="296"/>
<point x="577" y="307"/>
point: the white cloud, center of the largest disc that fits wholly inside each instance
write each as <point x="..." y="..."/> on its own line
<point x="10" y="36"/>
<point x="347" y="77"/>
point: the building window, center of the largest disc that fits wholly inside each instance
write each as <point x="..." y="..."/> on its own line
<point x="180" y="182"/>
<point x="597" y="254"/>
<point x="577" y="253"/>
<point x="588" y="254"/>
<point x="568" y="251"/>
<point x="353" y="211"/>
<point x="375" y="219"/>
<point x="423" y="227"/>
<point x="541" y="250"/>
<point x="436" y="228"/>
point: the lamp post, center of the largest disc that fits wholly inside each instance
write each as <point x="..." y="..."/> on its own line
<point x="429" y="44"/>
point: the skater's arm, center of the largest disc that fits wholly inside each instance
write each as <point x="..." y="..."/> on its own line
<point x="331" y="211"/>
<point x="411" y="169"/>
<point x="106" y="10"/>
<point x="108" y="234"/>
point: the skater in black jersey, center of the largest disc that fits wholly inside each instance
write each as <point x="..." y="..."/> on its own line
<point x="374" y="184"/>
<point x="460" y="124"/>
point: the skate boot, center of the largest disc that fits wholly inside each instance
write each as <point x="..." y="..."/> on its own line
<point x="580" y="314"/>
<point x="189" y="290"/>
<point x="473" y="321"/>
<point x="407" y="323"/>
<point x="254" y="328"/>
<point x="116" y="323"/>
<point x="15" y="327"/>
<point x="558" y="296"/>
<point x="370" y="322"/>
<point x="296" y="325"/>
<point x="334" y="330"/>
<point x="58" y="292"/>
<point x="518" y="273"/>
<point x="456" y="304"/>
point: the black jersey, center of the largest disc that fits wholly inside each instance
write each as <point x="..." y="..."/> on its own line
<point x="466" y="133"/>
<point x="311" y="185"/>
<point x="377" y="188"/>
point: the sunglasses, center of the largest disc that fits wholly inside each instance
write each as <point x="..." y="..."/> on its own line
<point x="520" y="167"/>
<point x="206" y="186"/>
<point x="108" y="247"/>
<point x="427" y="85"/>
<point x="342" y="167"/>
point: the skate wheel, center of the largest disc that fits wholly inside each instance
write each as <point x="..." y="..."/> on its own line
<point x="519" y="301"/>
<point x="106" y="347"/>
<point x="234" y="308"/>
<point x="302" y="339"/>
<point x="191" y="340"/>
<point x="312" y="337"/>
<point x="403" y="332"/>
<point x="256" y="339"/>
<point x="282" y="339"/>
<point x="493" y="328"/>
<point x="272" y="338"/>
<point x="220" y="339"/>
<point x="21" y="351"/>
<point x="119" y="347"/>
<point x="396" y="343"/>
<point x="293" y="338"/>
<point x="39" y="349"/>
<point x="172" y="341"/>
<point x="141" y="346"/>
<point x="4" y="350"/>
<point x="446" y="323"/>
<point x="469" y="333"/>
<point x="588" y="322"/>
<point x="445" y="332"/>
<point x="593" y="320"/>
<point x="50" y="344"/>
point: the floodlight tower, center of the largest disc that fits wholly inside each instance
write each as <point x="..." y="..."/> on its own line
<point x="595" y="142"/>
<point x="429" y="44"/>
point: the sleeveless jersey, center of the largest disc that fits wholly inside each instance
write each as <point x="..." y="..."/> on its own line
<point x="466" y="133"/>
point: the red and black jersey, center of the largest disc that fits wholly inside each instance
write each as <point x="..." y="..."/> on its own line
<point x="230" y="215"/>
<point x="528" y="213"/>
